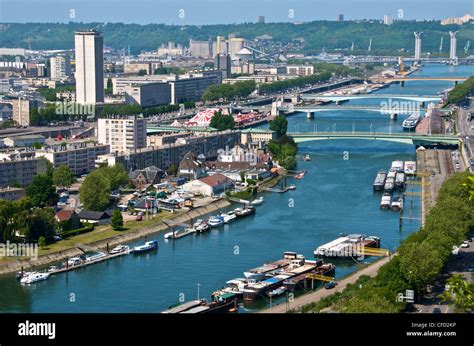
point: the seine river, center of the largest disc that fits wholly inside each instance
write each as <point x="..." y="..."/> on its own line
<point x="335" y="197"/>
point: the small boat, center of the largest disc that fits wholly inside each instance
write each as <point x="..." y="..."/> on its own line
<point x="277" y="292"/>
<point x="307" y="157"/>
<point x="300" y="175"/>
<point x="412" y="121"/>
<point x="201" y="226"/>
<point x="216" y="221"/>
<point x="95" y="256"/>
<point x="119" y="249"/>
<point x="385" y="202"/>
<point x="258" y="201"/>
<point x="228" y="217"/>
<point x="292" y="187"/>
<point x="379" y="180"/>
<point x="247" y="210"/>
<point x="34" y="277"/>
<point x="397" y="204"/>
<point x="52" y="269"/>
<point x="74" y="261"/>
<point x="21" y="275"/>
<point x="169" y="235"/>
<point x="148" y="246"/>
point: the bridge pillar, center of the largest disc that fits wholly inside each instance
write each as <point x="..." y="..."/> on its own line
<point x="455" y="82"/>
<point x="310" y="115"/>
<point x="393" y="116"/>
<point x="422" y="104"/>
<point x="402" y="83"/>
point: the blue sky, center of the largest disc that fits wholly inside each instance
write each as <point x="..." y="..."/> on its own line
<point x="223" y="11"/>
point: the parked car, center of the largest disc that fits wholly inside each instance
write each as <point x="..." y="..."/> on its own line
<point x="330" y="285"/>
<point x="436" y="310"/>
<point x="465" y="244"/>
<point x="58" y="237"/>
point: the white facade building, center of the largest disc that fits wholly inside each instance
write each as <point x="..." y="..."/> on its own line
<point x="89" y="47"/>
<point x="60" y="67"/>
<point x="122" y="134"/>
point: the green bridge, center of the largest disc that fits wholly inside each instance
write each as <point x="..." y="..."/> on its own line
<point x="406" y="138"/>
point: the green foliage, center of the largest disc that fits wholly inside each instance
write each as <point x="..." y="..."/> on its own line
<point x="284" y="149"/>
<point x="63" y="177"/>
<point x="115" y="175"/>
<point x="222" y="122"/>
<point x="95" y="191"/>
<point x="41" y="242"/>
<point x="461" y="91"/>
<point x="117" y="220"/>
<point x="420" y="263"/>
<point x="87" y="228"/>
<point x="280" y="125"/>
<point x="41" y="191"/>
<point x="387" y="39"/>
<point x="460" y="293"/>
<point x="293" y="83"/>
<point x="98" y="185"/>
<point x="229" y="92"/>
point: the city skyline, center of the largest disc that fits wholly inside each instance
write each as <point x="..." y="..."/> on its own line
<point x="188" y="12"/>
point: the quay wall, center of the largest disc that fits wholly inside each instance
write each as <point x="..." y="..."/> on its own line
<point x="44" y="260"/>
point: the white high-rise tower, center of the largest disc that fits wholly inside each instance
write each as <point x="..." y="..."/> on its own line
<point x="452" y="50"/>
<point x="89" y="47"/>
<point x="418" y="45"/>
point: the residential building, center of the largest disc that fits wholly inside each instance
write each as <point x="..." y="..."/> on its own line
<point x="89" y="47"/>
<point x="256" y="135"/>
<point x="164" y="156"/>
<point x="457" y="20"/>
<point x="21" y="108"/>
<point x="95" y="217"/>
<point x="78" y="156"/>
<point x="340" y="18"/>
<point x="60" y="67"/>
<point x="12" y="193"/>
<point x="261" y="19"/>
<point x="67" y="220"/>
<point x="142" y="178"/>
<point x="387" y="19"/>
<point x="300" y="70"/>
<point x="209" y="186"/>
<point x="6" y="111"/>
<point x="15" y="170"/>
<point x="122" y="134"/>
<point x="4" y="85"/>
<point x="24" y="141"/>
<point x="190" y="167"/>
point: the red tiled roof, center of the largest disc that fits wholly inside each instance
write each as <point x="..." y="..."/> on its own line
<point x="64" y="215"/>
<point x="215" y="180"/>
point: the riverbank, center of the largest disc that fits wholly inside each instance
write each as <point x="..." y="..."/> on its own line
<point x="370" y="270"/>
<point x="54" y="257"/>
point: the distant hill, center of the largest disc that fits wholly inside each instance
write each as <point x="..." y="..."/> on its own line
<point x="317" y="35"/>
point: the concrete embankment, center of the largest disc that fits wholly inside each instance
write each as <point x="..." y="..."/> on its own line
<point x="55" y="257"/>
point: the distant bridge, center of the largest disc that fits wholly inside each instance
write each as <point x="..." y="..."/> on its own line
<point x="418" y="79"/>
<point x="406" y="138"/>
<point x="319" y="108"/>
<point x="336" y="98"/>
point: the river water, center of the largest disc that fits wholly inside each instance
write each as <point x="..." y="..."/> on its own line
<point x="335" y="197"/>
